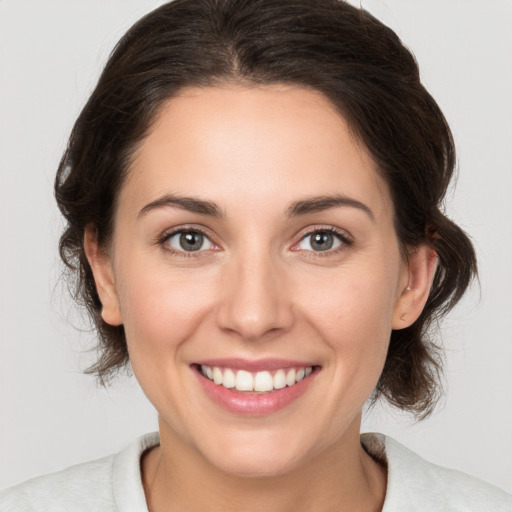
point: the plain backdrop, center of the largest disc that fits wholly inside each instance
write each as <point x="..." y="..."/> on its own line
<point x="52" y="415"/>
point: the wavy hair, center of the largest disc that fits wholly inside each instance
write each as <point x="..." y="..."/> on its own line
<point x="326" y="45"/>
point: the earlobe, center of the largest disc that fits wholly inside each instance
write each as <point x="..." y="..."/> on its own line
<point x="422" y="263"/>
<point x="101" y="266"/>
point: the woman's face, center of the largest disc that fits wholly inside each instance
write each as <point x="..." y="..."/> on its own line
<point x="254" y="243"/>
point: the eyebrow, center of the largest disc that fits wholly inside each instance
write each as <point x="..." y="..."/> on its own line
<point x="297" y="208"/>
<point x="321" y="203"/>
<point x="190" y="204"/>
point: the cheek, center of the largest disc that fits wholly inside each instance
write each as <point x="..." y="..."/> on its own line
<point x="161" y="310"/>
<point x="352" y="304"/>
<point x="352" y="311"/>
<point x="350" y="314"/>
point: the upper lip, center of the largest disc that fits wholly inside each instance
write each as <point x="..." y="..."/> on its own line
<point x="252" y="365"/>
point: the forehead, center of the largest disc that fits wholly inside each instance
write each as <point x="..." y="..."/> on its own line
<point x="265" y="142"/>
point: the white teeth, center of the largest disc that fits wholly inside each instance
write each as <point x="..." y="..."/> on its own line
<point x="217" y="375"/>
<point x="260" y="382"/>
<point x="229" y="380"/>
<point x="244" y="381"/>
<point x="263" y="382"/>
<point x="279" y="380"/>
<point x="290" y="377"/>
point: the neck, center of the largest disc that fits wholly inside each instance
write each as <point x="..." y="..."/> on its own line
<point x="344" y="478"/>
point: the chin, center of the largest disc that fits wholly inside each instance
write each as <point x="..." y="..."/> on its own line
<point x="260" y="467"/>
<point x="254" y="456"/>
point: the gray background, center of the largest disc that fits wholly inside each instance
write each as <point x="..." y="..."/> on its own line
<point x="51" y="415"/>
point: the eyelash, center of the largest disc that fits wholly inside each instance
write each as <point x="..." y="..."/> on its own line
<point x="162" y="241"/>
<point x="341" y="236"/>
<point x="344" y="238"/>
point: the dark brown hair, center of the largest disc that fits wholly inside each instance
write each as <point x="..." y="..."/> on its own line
<point x="327" y="45"/>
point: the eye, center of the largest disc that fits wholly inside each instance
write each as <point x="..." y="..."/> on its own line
<point x="321" y="241"/>
<point x="188" y="241"/>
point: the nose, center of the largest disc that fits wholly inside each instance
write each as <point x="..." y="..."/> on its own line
<point x="255" y="299"/>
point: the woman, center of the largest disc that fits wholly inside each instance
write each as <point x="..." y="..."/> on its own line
<point x="252" y="195"/>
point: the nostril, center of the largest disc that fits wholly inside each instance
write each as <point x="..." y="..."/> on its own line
<point x="254" y="302"/>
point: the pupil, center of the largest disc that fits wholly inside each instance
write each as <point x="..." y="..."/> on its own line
<point x="322" y="241"/>
<point x="191" y="241"/>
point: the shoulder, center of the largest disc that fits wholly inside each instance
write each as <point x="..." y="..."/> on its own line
<point x="415" y="484"/>
<point x="83" y="487"/>
<point x="101" y="485"/>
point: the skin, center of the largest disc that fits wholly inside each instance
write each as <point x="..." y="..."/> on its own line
<point x="259" y="290"/>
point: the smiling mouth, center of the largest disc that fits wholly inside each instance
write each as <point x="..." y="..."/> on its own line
<point x="259" y="382"/>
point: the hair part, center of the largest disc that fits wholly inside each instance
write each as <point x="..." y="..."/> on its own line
<point x="329" y="46"/>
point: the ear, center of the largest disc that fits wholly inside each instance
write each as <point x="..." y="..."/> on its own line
<point x="101" y="265"/>
<point x="421" y="264"/>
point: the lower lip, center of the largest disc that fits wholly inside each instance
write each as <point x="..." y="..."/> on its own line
<point x="254" y="404"/>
